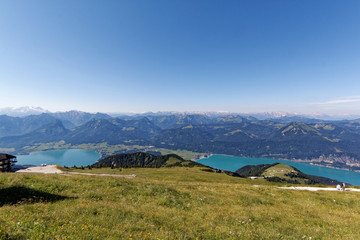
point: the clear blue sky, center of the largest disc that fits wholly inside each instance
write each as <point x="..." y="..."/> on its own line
<point x="181" y="55"/>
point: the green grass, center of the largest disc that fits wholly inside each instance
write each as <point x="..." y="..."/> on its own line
<point x="169" y="203"/>
<point x="172" y="160"/>
<point x="280" y="170"/>
<point x="45" y="146"/>
<point x="185" y="154"/>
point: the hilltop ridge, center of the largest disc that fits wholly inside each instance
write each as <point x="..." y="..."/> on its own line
<point x="278" y="172"/>
<point x="142" y="159"/>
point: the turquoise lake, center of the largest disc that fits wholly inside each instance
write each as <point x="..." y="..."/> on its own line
<point x="231" y="163"/>
<point x="68" y="157"/>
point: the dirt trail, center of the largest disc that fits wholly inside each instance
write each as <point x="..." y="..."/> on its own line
<point x="52" y="169"/>
<point x="319" y="189"/>
<point x="104" y="175"/>
<point x="48" y="169"/>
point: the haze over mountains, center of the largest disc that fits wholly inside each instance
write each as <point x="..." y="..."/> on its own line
<point x="330" y="143"/>
<point x="27" y="110"/>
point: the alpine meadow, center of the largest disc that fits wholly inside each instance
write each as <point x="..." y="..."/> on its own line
<point x="189" y="120"/>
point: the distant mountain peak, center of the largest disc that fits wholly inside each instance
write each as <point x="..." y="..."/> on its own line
<point x="22" y="111"/>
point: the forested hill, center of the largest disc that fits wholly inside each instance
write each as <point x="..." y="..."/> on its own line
<point x="140" y="159"/>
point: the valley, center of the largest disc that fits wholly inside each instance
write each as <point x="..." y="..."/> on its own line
<point x="326" y="143"/>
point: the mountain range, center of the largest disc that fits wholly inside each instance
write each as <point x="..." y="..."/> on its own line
<point x="27" y="111"/>
<point x="15" y="126"/>
<point x="22" y="111"/>
<point x="330" y="143"/>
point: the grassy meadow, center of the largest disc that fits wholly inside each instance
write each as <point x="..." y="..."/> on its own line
<point x="169" y="203"/>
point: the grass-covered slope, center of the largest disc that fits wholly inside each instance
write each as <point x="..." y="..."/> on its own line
<point x="253" y="170"/>
<point x="271" y="172"/>
<point x="169" y="203"/>
<point x="278" y="172"/>
<point x="140" y="159"/>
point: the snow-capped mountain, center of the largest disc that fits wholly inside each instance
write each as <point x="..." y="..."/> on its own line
<point x="22" y="111"/>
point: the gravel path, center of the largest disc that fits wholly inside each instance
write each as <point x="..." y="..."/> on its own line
<point x="104" y="175"/>
<point x="52" y="169"/>
<point x="320" y="189"/>
<point x="49" y="169"/>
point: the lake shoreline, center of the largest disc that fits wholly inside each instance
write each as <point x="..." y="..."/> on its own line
<point x="282" y="159"/>
<point x="232" y="163"/>
<point x="66" y="157"/>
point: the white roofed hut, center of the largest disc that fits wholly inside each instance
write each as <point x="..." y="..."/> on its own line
<point x="6" y="162"/>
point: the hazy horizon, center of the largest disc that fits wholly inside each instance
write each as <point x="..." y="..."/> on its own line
<point x="185" y="56"/>
<point x="30" y="110"/>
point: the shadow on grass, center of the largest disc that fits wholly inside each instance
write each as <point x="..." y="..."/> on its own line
<point x="18" y="195"/>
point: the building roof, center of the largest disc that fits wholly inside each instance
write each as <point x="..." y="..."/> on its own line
<point x="4" y="156"/>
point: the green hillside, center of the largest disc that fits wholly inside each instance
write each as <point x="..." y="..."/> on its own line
<point x="142" y="159"/>
<point x="253" y="170"/>
<point x="278" y="172"/>
<point x="169" y="203"/>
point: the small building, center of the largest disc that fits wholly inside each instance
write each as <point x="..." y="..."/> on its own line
<point x="6" y="162"/>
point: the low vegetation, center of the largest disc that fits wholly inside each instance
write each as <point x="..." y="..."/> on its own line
<point x="278" y="172"/>
<point x="169" y="203"/>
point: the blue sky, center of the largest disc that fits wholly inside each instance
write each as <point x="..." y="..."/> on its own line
<point x="138" y="56"/>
